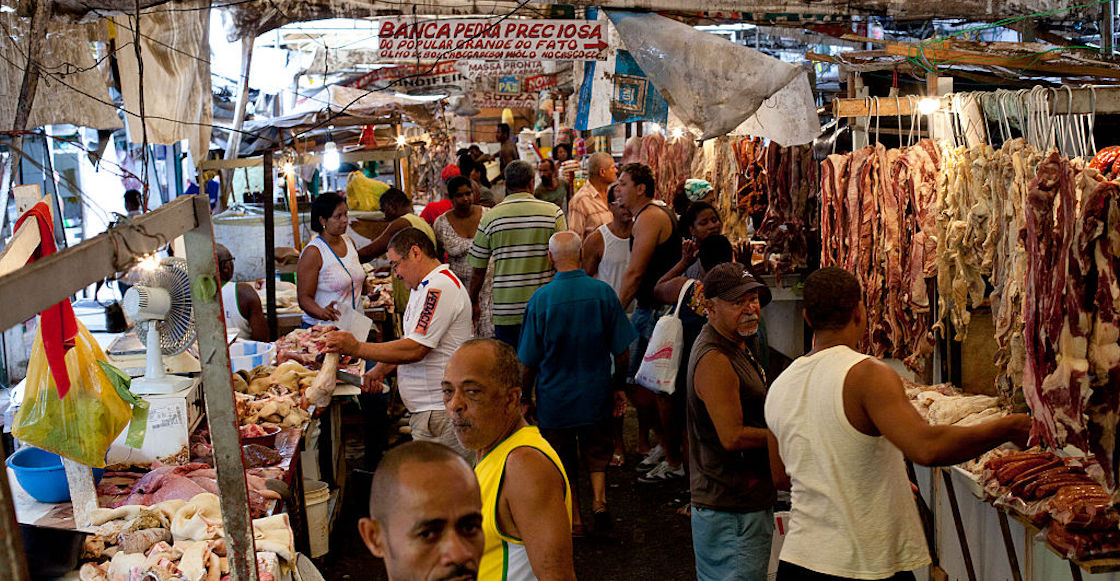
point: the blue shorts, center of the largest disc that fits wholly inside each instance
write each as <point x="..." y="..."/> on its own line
<point x="644" y="321"/>
<point x="731" y="546"/>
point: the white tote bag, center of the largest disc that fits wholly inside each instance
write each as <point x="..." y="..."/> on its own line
<point x="658" y="371"/>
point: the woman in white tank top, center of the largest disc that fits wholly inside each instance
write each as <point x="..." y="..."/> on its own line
<point x="329" y="273"/>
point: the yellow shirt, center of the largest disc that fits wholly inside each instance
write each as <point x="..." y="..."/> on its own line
<point x="504" y="558"/>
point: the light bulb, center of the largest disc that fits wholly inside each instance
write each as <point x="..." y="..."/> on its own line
<point x="928" y="105"/>
<point x="401" y="141"/>
<point x="289" y="168"/>
<point x="149" y="263"/>
<point x="678" y="133"/>
<point x="655" y="127"/>
<point x="331" y="159"/>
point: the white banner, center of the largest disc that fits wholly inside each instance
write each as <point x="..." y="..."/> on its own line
<point x="483" y="39"/>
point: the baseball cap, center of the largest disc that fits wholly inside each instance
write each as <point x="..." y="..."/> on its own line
<point x="449" y="172"/>
<point x="731" y="280"/>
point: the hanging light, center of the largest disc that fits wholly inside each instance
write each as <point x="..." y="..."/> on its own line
<point x="331" y="159"/>
<point x="928" y="105"/>
<point x="289" y="168"/>
<point x="678" y="133"/>
<point x="401" y="141"/>
<point x="655" y="127"/>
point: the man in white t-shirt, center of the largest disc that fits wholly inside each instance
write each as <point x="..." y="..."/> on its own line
<point x="436" y="322"/>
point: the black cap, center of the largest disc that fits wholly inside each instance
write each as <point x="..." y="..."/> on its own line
<point x="730" y="281"/>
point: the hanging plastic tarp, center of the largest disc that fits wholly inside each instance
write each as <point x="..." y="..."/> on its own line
<point x="712" y="84"/>
<point x="617" y="90"/>
<point x="788" y="117"/>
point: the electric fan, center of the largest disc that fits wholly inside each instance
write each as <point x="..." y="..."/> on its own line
<point x="160" y="304"/>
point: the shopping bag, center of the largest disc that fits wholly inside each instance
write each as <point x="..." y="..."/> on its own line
<point x="364" y="194"/>
<point x="82" y="425"/>
<point x="662" y="359"/>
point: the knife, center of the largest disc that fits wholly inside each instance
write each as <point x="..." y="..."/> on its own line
<point x="347" y="377"/>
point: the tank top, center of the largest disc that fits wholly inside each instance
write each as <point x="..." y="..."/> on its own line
<point x="234" y="320"/>
<point x="853" y="513"/>
<point x="504" y="558"/>
<point x="721" y="479"/>
<point x="665" y="255"/>
<point x="616" y="256"/>
<point x="341" y="278"/>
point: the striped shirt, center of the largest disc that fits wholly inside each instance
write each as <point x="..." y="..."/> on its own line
<point x="516" y="233"/>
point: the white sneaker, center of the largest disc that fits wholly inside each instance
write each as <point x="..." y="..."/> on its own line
<point x="652" y="459"/>
<point x="662" y="473"/>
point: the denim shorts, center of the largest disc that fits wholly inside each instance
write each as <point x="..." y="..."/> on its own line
<point x="644" y="320"/>
<point x="731" y="546"/>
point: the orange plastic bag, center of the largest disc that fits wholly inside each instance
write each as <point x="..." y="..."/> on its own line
<point x="82" y="425"/>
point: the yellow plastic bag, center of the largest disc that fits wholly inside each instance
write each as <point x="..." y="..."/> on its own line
<point x="364" y="194"/>
<point x="82" y="425"/>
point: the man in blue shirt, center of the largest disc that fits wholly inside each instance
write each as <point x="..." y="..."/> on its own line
<point x="574" y="330"/>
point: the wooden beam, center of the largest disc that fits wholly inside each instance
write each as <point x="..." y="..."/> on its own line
<point x="28" y="291"/>
<point x="1047" y="62"/>
<point x="1103" y="100"/>
<point x="885" y="107"/>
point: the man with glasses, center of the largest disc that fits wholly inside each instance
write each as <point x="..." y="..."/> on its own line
<point x="437" y="321"/>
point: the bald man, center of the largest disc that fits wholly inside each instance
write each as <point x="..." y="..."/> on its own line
<point x="588" y="209"/>
<point x="574" y="326"/>
<point x="240" y="301"/>
<point x="425" y="514"/>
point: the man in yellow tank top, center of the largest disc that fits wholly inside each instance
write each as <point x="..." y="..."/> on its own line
<point x="526" y="498"/>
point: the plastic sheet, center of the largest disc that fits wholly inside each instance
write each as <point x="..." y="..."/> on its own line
<point x="712" y="84"/>
<point x="82" y="425"/>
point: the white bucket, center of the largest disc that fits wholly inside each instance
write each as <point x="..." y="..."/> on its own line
<point x="249" y="354"/>
<point x="316" y="497"/>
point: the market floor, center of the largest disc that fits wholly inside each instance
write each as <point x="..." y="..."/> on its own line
<point x="649" y="541"/>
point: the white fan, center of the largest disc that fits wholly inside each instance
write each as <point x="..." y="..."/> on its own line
<point x="160" y="304"/>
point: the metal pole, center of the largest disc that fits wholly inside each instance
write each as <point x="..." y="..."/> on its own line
<point x="218" y="391"/>
<point x="269" y="246"/>
<point x="13" y="561"/>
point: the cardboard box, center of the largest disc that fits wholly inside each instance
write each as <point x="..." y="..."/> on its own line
<point x="171" y="419"/>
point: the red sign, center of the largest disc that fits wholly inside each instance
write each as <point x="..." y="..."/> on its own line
<point x="491" y="39"/>
<point x="539" y="83"/>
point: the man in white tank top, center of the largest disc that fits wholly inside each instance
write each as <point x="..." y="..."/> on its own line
<point x="606" y="251"/>
<point x="841" y="425"/>
<point x="240" y="302"/>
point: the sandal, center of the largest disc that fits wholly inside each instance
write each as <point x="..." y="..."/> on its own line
<point x="618" y="460"/>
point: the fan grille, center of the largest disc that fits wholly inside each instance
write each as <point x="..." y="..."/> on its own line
<point x="177" y="330"/>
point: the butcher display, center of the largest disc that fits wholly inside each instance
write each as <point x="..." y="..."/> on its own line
<point x="305" y="346"/>
<point x="176" y="483"/>
<point x="792" y="189"/>
<point x="181" y="539"/>
<point x="670" y="160"/>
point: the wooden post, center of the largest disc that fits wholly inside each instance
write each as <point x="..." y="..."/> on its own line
<point x="293" y="207"/>
<point x="234" y="143"/>
<point x="218" y="391"/>
<point x="40" y="18"/>
<point x="269" y="246"/>
<point x="83" y="493"/>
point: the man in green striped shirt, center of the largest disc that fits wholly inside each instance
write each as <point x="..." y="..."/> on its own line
<point x="515" y="233"/>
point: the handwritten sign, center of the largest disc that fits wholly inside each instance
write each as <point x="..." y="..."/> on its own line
<point x="414" y="79"/>
<point x="539" y="83"/>
<point x="488" y="100"/>
<point x="483" y="39"/>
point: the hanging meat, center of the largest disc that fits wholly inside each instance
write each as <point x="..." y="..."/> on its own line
<point x="877" y="221"/>
<point x="788" y="190"/>
<point x="669" y="160"/>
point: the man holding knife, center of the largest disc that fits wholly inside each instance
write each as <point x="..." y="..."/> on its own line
<point x="437" y="321"/>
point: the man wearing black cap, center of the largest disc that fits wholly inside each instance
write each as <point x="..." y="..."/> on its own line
<point x="732" y="492"/>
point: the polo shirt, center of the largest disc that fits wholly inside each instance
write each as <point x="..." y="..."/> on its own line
<point x="516" y="233"/>
<point x="438" y="316"/>
<point x="573" y="326"/>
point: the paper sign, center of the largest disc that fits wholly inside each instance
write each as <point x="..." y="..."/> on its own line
<point x="491" y="39"/>
<point x="483" y="69"/>
<point x="487" y="100"/>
